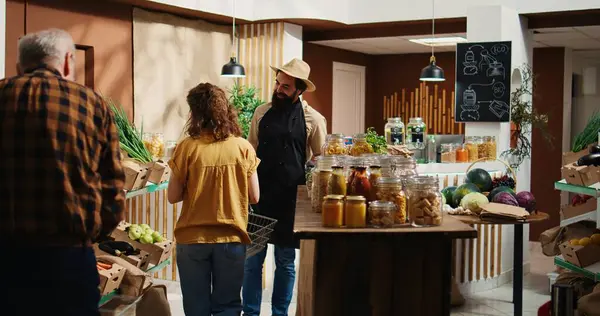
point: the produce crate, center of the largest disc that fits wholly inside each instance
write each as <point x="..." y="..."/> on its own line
<point x="160" y="172"/>
<point x="571" y="157"/>
<point x="158" y="252"/>
<point x="580" y="175"/>
<point x="111" y="279"/>
<point x="141" y="260"/>
<point x="136" y="176"/>
<point x="569" y="211"/>
<point x="581" y="256"/>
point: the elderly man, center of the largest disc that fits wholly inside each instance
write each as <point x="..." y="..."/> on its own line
<point x="61" y="181"/>
<point x="286" y="133"/>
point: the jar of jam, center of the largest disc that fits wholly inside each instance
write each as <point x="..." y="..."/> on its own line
<point x="333" y="211"/>
<point x="359" y="182"/>
<point x="462" y="155"/>
<point x="356" y="211"/>
<point x="360" y="145"/>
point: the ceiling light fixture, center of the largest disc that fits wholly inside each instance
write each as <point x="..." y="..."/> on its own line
<point x="439" y="41"/>
<point x="232" y="69"/>
<point x="432" y="72"/>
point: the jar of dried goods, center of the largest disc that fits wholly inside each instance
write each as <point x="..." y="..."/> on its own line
<point x="320" y="180"/>
<point x="333" y="211"/>
<point x="360" y="145"/>
<point x="337" y="181"/>
<point x="334" y="145"/>
<point x="356" y="211"/>
<point x="391" y="190"/>
<point x="462" y="155"/>
<point x="359" y="182"/>
<point x="472" y="146"/>
<point x="403" y="167"/>
<point x="424" y="202"/>
<point x="448" y="153"/>
<point x="489" y="143"/>
<point x="381" y="214"/>
<point x="374" y="175"/>
<point x="155" y="144"/>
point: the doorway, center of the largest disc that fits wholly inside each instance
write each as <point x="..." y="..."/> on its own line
<point x="348" y="99"/>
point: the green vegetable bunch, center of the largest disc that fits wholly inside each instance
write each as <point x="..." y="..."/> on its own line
<point x="129" y="139"/>
<point x="245" y="101"/>
<point x="376" y="141"/>
<point x="589" y="135"/>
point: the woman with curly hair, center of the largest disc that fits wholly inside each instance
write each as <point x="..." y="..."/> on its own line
<point x="214" y="174"/>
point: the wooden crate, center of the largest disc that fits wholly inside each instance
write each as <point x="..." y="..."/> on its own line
<point x="160" y="172"/>
<point x="158" y="252"/>
<point x="569" y="211"/>
<point x="111" y="279"/>
<point x="136" y="175"/>
<point x="580" y="175"/>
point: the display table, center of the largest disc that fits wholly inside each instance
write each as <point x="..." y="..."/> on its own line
<point x="395" y="271"/>
<point x="518" y="250"/>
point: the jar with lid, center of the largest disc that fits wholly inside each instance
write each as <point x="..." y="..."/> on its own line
<point x="391" y="190"/>
<point x="416" y="133"/>
<point x="394" y="131"/>
<point x="155" y="144"/>
<point x="170" y="148"/>
<point x="381" y="214"/>
<point x="358" y="182"/>
<point x="374" y="175"/>
<point x="333" y="211"/>
<point x="462" y="155"/>
<point x="489" y="147"/>
<point x="472" y="146"/>
<point x="424" y="201"/>
<point x="320" y="180"/>
<point x="403" y="167"/>
<point x="448" y="154"/>
<point x="360" y="145"/>
<point x="337" y="181"/>
<point x="356" y="211"/>
<point x="334" y="145"/>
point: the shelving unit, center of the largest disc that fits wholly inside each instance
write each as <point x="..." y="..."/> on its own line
<point x="151" y="187"/>
<point x="593" y="190"/>
<point x="592" y="272"/>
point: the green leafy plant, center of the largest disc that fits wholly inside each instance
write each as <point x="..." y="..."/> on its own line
<point x="376" y="141"/>
<point x="525" y="119"/>
<point x="129" y="138"/>
<point x="589" y="135"/>
<point x="245" y="100"/>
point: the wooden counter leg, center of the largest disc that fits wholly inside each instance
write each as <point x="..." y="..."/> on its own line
<point x="306" y="278"/>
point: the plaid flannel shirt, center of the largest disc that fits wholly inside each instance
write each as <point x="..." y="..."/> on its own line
<point x="61" y="179"/>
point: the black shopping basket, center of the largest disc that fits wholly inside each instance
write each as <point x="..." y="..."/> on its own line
<point x="259" y="229"/>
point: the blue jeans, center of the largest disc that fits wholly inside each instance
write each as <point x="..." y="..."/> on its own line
<point x="216" y="266"/>
<point x="283" y="285"/>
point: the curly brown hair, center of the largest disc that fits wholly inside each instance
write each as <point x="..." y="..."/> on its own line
<point x="210" y="111"/>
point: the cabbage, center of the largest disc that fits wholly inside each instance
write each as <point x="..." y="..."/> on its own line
<point x="473" y="202"/>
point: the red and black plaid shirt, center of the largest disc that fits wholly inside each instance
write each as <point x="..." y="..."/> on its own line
<point x="61" y="179"/>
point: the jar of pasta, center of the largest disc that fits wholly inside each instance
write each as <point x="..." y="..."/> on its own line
<point x="155" y="144"/>
<point x="334" y="145"/>
<point x="333" y="211"/>
<point x="337" y="181"/>
<point x="424" y="202"/>
<point x="462" y="155"/>
<point x="381" y="214"/>
<point x="390" y="189"/>
<point x="448" y="153"/>
<point x="320" y="176"/>
<point x="356" y="211"/>
<point x="489" y="144"/>
<point x="360" y="145"/>
<point x="472" y="146"/>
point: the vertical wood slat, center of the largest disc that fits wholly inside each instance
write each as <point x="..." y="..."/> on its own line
<point x="493" y="251"/>
<point x="471" y="258"/>
<point x="499" y="257"/>
<point x="148" y="219"/>
<point x="164" y="212"/>
<point x="140" y="209"/>
<point x="156" y="219"/>
<point x="486" y="245"/>
<point x="134" y="211"/>
<point x="478" y="253"/>
<point x="174" y="256"/>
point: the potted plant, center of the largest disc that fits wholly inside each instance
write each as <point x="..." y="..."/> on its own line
<point x="245" y="100"/>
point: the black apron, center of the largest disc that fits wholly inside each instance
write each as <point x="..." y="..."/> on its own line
<point x="282" y="151"/>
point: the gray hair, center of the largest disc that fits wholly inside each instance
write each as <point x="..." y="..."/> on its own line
<point x="48" y="46"/>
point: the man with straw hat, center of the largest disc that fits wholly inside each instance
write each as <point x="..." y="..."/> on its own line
<point x="286" y="133"/>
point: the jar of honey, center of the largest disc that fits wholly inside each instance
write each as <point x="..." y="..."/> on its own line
<point x="333" y="211"/>
<point x="356" y="211"/>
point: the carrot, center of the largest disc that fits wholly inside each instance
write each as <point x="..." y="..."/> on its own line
<point x="100" y="268"/>
<point x="105" y="266"/>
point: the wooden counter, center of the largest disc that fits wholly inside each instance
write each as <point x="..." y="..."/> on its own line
<point x="378" y="272"/>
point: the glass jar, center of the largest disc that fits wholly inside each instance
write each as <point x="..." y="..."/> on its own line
<point x="360" y="145"/>
<point x="333" y="211"/>
<point x="381" y="214"/>
<point x="390" y="189"/>
<point x="374" y="175"/>
<point x="334" y="145"/>
<point x="403" y="167"/>
<point x="424" y="202"/>
<point x="358" y="182"/>
<point x="394" y="131"/>
<point x="337" y="182"/>
<point x="320" y="180"/>
<point x="462" y="155"/>
<point x="169" y="149"/>
<point x="155" y="144"/>
<point x="416" y="133"/>
<point x="448" y="154"/>
<point x="356" y="211"/>
<point x="489" y="145"/>
<point x="472" y="145"/>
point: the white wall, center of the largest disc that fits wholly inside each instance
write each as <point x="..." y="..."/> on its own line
<point x="368" y="11"/>
<point x="583" y="106"/>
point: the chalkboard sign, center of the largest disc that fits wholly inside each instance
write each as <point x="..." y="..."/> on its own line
<point x="483" y="82"/>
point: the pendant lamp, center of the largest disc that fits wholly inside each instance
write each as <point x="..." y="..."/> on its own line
<point x="232" y="69"/>
<point x="432" y="72"/>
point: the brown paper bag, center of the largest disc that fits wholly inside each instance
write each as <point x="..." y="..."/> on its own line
<point x="589" y="305"/>
<point x="154" y="302"/>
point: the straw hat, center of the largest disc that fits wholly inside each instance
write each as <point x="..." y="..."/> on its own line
<point x="297" y="68"/>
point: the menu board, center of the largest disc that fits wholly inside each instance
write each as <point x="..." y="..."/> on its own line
<point x="483" y="82"/>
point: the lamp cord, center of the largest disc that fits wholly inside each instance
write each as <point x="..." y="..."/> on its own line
<point x="233" y="35"/>
<point x="432" y="25"/>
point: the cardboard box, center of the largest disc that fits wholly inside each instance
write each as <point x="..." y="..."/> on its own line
<point x="158" y="252"/>
<point x="580" y="175"/>
<point x="111" y="279"/>
<point x="579" y="255"/>
<point x="141" y="260"/>
<point x="136" y="175"/>
<point x="569" y="211"/>
<point x="160" y="172"/>
<point x="571" y="157"/>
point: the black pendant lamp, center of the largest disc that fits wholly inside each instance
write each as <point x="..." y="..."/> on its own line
<point x="432" y="72"/>
<point x="232" y="69"/>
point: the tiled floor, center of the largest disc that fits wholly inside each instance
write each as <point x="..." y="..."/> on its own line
<point x="496" y="302"/>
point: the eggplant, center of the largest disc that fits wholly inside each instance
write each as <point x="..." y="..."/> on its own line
<point x="589" y="160"/>
<point x="595" y="149"/>
<point x="115" y="248"/>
